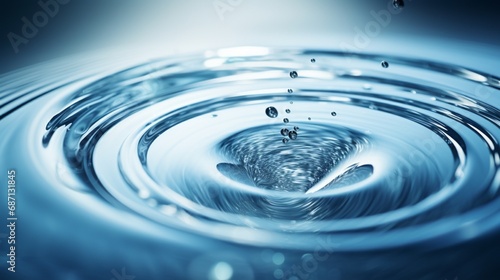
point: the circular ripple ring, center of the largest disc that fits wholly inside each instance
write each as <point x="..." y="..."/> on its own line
<point x="186" y="142"/>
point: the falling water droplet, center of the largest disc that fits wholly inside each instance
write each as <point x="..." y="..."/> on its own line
<point x="284" y="132"/>
<point x="287" y="111"/>
<point x="293" y="74"/>
<point x="309" y="118"/>
<point x="271" y="112"/>
<point x="397" y="4"/>
<point x="313" y="60"/>
<point x="334" y="114"/>
<point x="296" y="128"/>
<point x="285" y="140"/>
<point x="291" y="102"/>
<point x="293" y="135"/>
<point x="290" y="90"/>
<point x="285" y="120"/>
<point x="385" y="64"/>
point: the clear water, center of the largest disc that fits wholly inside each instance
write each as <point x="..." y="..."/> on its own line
<point x="187" y="167"/>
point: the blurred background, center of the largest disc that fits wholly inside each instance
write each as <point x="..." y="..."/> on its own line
<point x="177" y="26"/>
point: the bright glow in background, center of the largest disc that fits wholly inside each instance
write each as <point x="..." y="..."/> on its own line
<point x="176" y="26"/>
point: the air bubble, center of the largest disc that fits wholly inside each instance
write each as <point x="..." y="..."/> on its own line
<point x="397" y="4"/>
<point x="284" y="132"/>
<point x="292" y="134"/>
<point x="293" y="74"/>
<point x="313" y="60"/>
<point x="287" y="111"/>
<point x="384" y="64"/>
<point x="296" y="128"/>
<point x="285" y="140"/>
<point x="285" y="120"/>
<point x="334" y="114"/>
<point x="271" y="112"/>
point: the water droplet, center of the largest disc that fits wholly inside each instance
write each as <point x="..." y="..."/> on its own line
<point x="334" y="114"/>
<point x="285" y="140"/>
<point x="296" y="128"/>
<point x="144" y="194"/>
<point x="291" y="102"/>
<point x="214" y="115"/>
<point x="384" y="64"/>
<point x="271" y="112"/>
<point x="292" y="134"/>
<point x="290" y="90"/>
<point x="287" y="111"/>
<point x="168" y="209"/>
<point x="285" y="120"/>
<point x="284" y="132"/>
<point x="309" y="118"/>
<point x="293" y="74"/>
<point x="398" y="4"/>
<point x="313" y="60"/>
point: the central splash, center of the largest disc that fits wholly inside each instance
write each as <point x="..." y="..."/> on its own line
<point x="255" y="158"/>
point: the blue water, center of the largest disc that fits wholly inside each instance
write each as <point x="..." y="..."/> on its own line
<point x="176" y="168"/>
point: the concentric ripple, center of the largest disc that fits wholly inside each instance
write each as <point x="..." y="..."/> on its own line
<point x="379" y="152"/>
